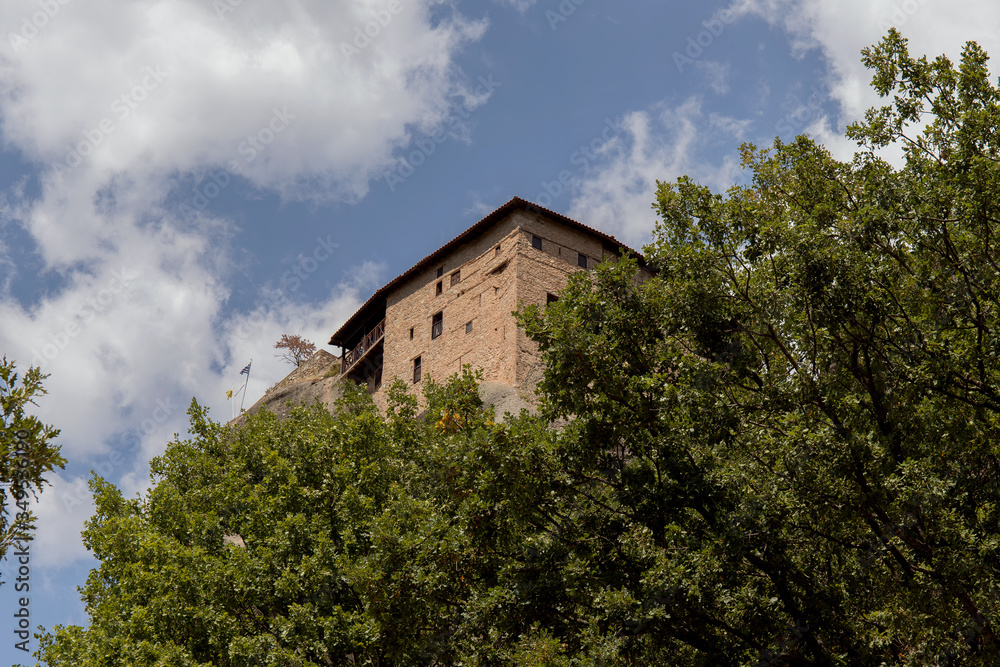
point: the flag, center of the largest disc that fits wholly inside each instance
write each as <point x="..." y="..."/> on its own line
<point x="246" y="371"/>
<point x="229" y="394"/>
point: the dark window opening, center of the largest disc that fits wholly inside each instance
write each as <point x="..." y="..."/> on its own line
<point x="550" y="298"/>
<point x="468" y="327"/>
<point x="416" y="370"/>
<point x="437" y="324"/>
<point x="411" y="333"/>
<point x="456" y="278"/>
<point x="440" y="272"/>
<point x="440" y="287"/>
<point x="581" y="260"/>
<point x="536" y="242"/>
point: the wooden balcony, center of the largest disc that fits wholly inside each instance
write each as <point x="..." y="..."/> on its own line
<point x="371" y="339"/>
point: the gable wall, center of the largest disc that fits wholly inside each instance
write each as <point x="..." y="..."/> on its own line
<point x="491" y="287"/>
<point x="482" y="297"/>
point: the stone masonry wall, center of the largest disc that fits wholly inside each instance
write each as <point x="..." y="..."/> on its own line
<point x="498" y="272"/>
<point x="545" y="272"/>
<point x="483" y="295"/>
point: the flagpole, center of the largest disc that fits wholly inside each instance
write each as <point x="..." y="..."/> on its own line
<point x="236" y="394"/>
<point x="244" y="397"/>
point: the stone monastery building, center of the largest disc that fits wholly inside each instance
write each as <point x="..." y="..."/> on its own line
<point x="454" y="306"/>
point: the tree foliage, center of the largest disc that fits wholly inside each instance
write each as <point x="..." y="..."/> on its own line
<point x="794" y="425"/>
<point x="26" y="452"/>
<point x="296" y="349"/>
<point x="780" y="450"/>
<point x="363" y="539"/>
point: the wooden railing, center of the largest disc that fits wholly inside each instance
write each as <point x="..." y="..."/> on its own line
<point x="368" y="342"/>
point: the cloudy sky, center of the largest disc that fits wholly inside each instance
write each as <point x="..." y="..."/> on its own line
<point x="181" y="181"/>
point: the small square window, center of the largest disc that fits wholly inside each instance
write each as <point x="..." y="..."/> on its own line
<point x="581" y="260"/>
<point x="536" y="242"/>
<point x="440" y="287"/>
<point x="411" y="333"/>
<point x="468" y="327"/>
<point x="550" y="298"/>
<point x="440" y="272"/>
<point x="416" y="370"/>
<point x="437" y="324"/>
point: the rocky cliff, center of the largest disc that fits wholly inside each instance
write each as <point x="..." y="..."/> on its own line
<point x="318" y="379"/>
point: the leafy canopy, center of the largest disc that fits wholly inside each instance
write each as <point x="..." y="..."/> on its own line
<point x="26" y="452"/>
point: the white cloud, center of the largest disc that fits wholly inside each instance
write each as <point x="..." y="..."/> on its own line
<point x="660" y="144"/>
<point x="616" y="193"/>
<point x="157" y="89"/>
<point x="127" y="354"/>
<point x="520" y="5"/>
<point x="841" y="30"/>
<point x="715" y="75"/>
<point x="118" y="104"/>
<point x="220" y="77"/>
<point x="59" y="513"/>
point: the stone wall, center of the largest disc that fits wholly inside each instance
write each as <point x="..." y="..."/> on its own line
<point x="483" y="296"/>
<point x="497" y="272"/>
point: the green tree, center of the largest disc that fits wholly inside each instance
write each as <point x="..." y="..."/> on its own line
<point x="26" y="453"/>
<point x="234" y="556"/>
<point x="319" y="539"/>
<point x="788" y="438"/>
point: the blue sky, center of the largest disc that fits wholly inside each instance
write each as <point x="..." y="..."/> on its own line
<point x="182" y="181"/>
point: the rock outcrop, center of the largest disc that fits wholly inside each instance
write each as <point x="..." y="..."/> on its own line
<point x="304" y="386"/>
<point x="318" y="379"/>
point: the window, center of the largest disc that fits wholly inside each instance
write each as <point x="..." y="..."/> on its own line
<point x="437" y="324"/>
<point x="411" y="333"/>
<point x="497" y="253"/>
<point x="536" y="242"/>
<point x="550" y="298"/>
<point x="416" y="370"/>
<point x="581" y="260"/>
<point x="468" y="327"/>
<point x="440" y="287"/>
<point x="440" y="272"/>
<point x="456" y="278"/>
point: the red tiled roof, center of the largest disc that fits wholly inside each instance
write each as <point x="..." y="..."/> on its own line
<point x="469" y="234"/>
